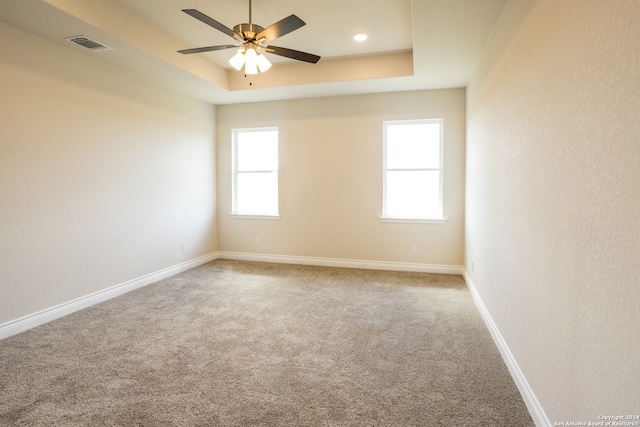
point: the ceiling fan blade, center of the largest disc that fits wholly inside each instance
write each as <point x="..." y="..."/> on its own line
<point x="212" y="22"/>
<point x="206" y="49"/>
<point x="280" y="28"/>
<point x="293" y="54"/>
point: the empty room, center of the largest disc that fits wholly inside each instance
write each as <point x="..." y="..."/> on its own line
<point x="356" y="213"/>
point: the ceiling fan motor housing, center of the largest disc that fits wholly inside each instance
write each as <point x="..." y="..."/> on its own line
<point x="248" y="31"/>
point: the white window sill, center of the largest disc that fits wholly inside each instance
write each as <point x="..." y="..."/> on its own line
<point x="253" y="216"/>
<point x="413" y="220"/>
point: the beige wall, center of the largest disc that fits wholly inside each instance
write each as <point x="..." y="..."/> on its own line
<point x="553" y="199"/>
<point x="331" y="179"/>
<point x="103" y="175"/>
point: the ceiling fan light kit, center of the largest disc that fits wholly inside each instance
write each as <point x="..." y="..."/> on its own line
<point x="251" y="59"/>
<point x="253" y="39"/>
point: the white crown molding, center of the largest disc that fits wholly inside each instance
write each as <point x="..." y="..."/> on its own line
<point x="533" y="405"/>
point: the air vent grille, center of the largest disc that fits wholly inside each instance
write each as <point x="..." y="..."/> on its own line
<point x="85" y="41"/>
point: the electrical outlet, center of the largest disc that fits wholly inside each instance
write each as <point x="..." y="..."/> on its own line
<point x="473" y="265"/>
<point x="257" y="240"/>
<point x="412" y="248"/>
<point x="184" y="247"/>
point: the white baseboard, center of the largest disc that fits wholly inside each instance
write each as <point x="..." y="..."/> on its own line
<point x="346" y="263"/>
<point x="31" y="321"/>
<point x="36" y="319"/>
<point x="534" y="407"/>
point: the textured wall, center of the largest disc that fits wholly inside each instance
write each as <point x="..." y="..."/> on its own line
<point x="553" y="199"/>
<point x="103" y="175"/>
<point x="331" y="179"/>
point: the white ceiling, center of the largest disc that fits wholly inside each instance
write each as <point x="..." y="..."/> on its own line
<point x="328" y="33"/>
<point x="412" y="45"/>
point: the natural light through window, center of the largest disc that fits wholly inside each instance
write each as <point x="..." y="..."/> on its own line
<point x="412" y="180"/>
<point x="255" y="172"/>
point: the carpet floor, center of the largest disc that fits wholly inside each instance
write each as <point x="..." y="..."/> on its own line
<point x="234" y="343"/>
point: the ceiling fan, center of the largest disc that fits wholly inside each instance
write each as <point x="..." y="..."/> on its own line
<point x="253" y="40"/>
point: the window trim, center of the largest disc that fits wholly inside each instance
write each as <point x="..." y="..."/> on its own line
<point x="234" y="175"/>
<point x="384" y="217"/>
<point x="253" y="216"/>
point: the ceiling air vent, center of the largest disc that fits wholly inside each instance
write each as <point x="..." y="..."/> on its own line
<point x="85" y="41"/>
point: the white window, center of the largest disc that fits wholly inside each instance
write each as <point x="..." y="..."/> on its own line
<point x="412" y="176"/>
<point x="255" y="172"/>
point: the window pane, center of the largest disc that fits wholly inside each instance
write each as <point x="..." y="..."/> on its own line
<point x="413" y="194"/>
<point x="413" y="146"/>
<point x="257" y="193"/>
<point x="257" y="150"/>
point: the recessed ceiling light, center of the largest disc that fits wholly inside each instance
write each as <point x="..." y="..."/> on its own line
<point x="360" y="37"/>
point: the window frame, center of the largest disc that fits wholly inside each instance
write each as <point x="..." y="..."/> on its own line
<point x="234" y="175"/>
<point x="385" y="217"/>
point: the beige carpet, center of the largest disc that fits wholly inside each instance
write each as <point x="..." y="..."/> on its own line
<point x="253" y="344"/>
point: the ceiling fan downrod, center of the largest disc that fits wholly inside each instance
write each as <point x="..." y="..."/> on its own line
<point x="249" y="31"/>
